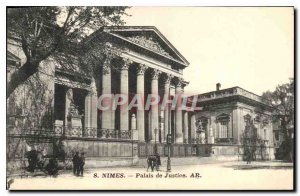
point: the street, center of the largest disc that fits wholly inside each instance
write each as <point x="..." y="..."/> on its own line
<point x="220" y="176"/>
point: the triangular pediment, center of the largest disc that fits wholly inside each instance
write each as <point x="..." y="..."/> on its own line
<point x="149" y="38"/>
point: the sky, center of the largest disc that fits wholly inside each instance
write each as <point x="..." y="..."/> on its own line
<point x="236" y="46"/>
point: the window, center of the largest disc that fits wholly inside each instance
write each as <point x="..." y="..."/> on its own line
<point x="223" y="129"/>
<point x="223" y="122"/>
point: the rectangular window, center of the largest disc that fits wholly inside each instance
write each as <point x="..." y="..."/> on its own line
<point x="223" y="129"/>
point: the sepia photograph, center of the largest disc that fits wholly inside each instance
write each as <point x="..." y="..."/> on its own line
<point x="150" y="98"/>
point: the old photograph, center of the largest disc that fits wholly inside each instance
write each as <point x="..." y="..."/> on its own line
<point x="150" y="98"/>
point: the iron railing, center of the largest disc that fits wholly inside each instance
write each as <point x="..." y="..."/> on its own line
<point x="114" y="134"/>
<point x="73" y="131"/>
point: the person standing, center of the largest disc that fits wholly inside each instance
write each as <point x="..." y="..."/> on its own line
<point x="32" y="160"/>
<point x="158" y="163"/>
<point x="75" y="161"/>
<point x="248" y="155"/>
<point x="81" y="164"/>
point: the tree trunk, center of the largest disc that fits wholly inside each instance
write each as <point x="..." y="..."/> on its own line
<point x="20" y="76"/>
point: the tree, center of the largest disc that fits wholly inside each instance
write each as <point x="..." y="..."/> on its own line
<point x="282" y="100"/>
<point x="57" y="33"/>
<point x="252" y="143"/>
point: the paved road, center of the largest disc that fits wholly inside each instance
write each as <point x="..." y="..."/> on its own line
<point x="229" y="175"/>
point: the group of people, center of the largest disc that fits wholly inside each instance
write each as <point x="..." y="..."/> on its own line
<point x="78" y="164"/>
<point x="153" y="161"/>
<point x="36" y="160"/>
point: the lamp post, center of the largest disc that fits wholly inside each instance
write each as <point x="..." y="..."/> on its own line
<point x="155" y="145"/>
<point x="169" y="152"/>
<point x="169" y="138"/>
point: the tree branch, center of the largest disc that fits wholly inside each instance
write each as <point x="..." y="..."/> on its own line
<point x="20" y="76"/>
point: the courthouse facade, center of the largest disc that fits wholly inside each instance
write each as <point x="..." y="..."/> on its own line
<point x="58" y="111"/>
<point x="67" y="113"/>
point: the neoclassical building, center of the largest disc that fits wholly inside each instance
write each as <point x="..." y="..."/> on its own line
<point x="58" y="111"/>
<point x="68" y="110"/>
<point x="226" y="116"/>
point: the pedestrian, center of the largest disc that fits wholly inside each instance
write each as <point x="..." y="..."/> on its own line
<point x="248" y="155"/>
<point x="75" y="161"/>
<point x="81" y="164"/>
<point x="158" y="163"/>
<point x="246" y="152"/>
<point x="52" y="167"/>
<point x="32" y="160"/>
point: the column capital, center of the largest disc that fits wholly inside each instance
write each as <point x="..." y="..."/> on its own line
<point x="178" y="82"/>
<point x="126" y="63"/>
<point x="141" y="69"/>
<point x="167" y="78"/>
<point x="106" y="67"/>
<point x="155" y="74"/>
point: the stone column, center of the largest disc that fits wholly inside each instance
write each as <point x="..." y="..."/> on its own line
<point x="124" y="113"/>
<point x="167" y="107"/>
<point x="69" y="99"/>
<point x="235" y="124"/>
<point x="140" y="111"/>
<point x="185" y="127"/>
<point x="178" y="114"/>
<point x="106" y="90"/>
<point x="90" y="129"/>
<point x="94" y="103"/>
<point x="87" y="111"/>
<point x="154" y="108"/>
<point x="193" y="127"/>
<point x="213" y="125"/>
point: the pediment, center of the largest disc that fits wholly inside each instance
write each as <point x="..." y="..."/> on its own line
<point x="149" y="38"/>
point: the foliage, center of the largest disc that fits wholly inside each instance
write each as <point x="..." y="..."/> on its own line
<point x="253" y="145"/>
<point x="282" y="100"/>
<point x="285" y="150"/>
<point x="56" y="32"/>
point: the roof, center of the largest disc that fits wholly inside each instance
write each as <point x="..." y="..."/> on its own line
<point x="145" y="37"/>
<point x="230" y="93"/>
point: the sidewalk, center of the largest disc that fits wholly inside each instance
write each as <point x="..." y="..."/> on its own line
<point x="242" y="165"/>
<point x="235" y="165"/>
<point x="229" y="175"/>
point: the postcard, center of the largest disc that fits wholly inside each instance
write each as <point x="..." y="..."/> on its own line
<point x="150" y="98"/>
